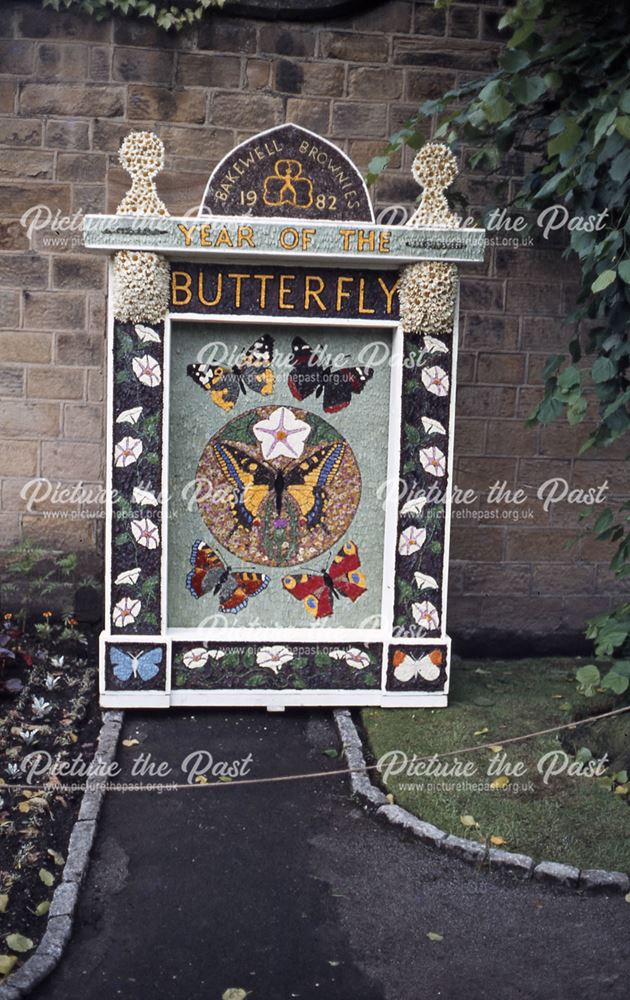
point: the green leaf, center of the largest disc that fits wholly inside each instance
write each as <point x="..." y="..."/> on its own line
<point x="567" y="139"/>
<point x="46" y="877"/>
<point x="569" y="378"/>
<point x="4" y="901"/>
<point x="549" y="409"/>
<point x="521" y="34"/>
<point x="588" y="676"/>
<point x="7" y="962"/>
<point x="620" y="167"/>
<point x="605" y="122"/>
<point x="603" y="370"/>
<point x="614" y="682"/>
<point x="527" y="89"/>
<point x="622" y="125"/>
<point x="42" y="908"/>
<point x="19" y="943"/>
<point x="623" y="270"/>
<point x="377" y="165"/>
<point x="603" y="280"/>
<point x="434" y="936"/>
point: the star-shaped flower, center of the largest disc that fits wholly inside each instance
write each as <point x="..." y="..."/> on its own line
<point x="146" y="533"/>
<point x="433" y="461"/>
<point x="125" y="612"/>
<point x="127" y="451"/>
<point x="436" y="380"/>
<point x="411" y="540"/>
<point x="147" y="370"/>
<point x="282" y="434"/>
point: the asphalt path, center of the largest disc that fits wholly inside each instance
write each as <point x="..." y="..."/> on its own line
<point x="290" y="890"/>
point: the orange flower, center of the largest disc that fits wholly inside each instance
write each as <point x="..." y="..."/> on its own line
<point x="46" y="614"/>
<point x="8" y="616"/>
<point x="72" y="621"/>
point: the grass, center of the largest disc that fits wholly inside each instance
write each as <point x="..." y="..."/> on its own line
<point x="574" y="819"/>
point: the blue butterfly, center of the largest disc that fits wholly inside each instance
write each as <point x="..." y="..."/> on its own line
<point x="144" y="665"/>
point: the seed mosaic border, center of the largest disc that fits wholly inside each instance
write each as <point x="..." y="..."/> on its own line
<point x="136" y="464"/>
<point x="291" y="667"/>
<point x="424" y="473"/>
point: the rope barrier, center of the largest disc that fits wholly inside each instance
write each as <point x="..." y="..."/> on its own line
<point x="309" y="775"/>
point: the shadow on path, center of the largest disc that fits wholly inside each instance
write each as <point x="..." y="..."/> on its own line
<point x="291" y="892"/>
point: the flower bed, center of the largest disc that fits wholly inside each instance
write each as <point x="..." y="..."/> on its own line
<point x="48" y="707"/>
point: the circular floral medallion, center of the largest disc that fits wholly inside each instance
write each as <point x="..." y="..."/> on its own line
<point x="278" y="485"/>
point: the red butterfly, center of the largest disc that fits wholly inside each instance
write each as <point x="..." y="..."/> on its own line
<point x="232" y="587"/>
<point x="337" y="385"/>
<point x="317" y="591"/>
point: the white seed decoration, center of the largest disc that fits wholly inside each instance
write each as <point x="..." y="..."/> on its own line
<point x="427" y="297"/>
<point x="141" y="280"/>
<point x="427" y="291"/>
<point x="142" y="156"/>
<point x="434" y="168"/>
<point x="141" y="287"/>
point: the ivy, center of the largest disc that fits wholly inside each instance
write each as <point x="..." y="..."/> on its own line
<point x="165" y="15"/>
<point x="559" y="96"/>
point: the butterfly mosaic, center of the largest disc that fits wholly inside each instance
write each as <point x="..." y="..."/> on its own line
<point x="318" y="591"/>
<point x="143" y="666"/>
<point x="210" y="575"/>
<point x="335" y="386"/>
<point x="255" y="481"/>
<point x="427" y="671"/>
<point x="252" y="372"/>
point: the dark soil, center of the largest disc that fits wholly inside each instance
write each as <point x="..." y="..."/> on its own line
<point x="58" y="666"/>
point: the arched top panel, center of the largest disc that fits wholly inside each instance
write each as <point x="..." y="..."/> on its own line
<point x="288" y="172"/>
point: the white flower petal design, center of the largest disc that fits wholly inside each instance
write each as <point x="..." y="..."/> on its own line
<point x="144" y="497"/>
<point x="125" y="612"/>
<point x="411" y="540"/>
<point x="216" y="654"/>
<point x="273" y="657"/>
<point x="414" y="506"/>
<point x="196" y="658"/>
<point x="147" y="333"/>
<point x="425" y="582"/>
<point x="435" y="346"/>
<point x="131" y="416"/>
<point x="147" y="370"/>
<point x="354" y="657"/>
<point x="281" y="434"/>
<point x="426" y="615"/>
<point x="128" y="576"/>
<point x="127" y="451"/>
<point x="433" y="426"/>
<point x="357" y="658"/>
<point x="436" y="380"/>
<point x="433" y="461"/>
<point x="146" y="533"/>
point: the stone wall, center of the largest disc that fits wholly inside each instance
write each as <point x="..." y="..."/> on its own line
<point x="71" y="88"/>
